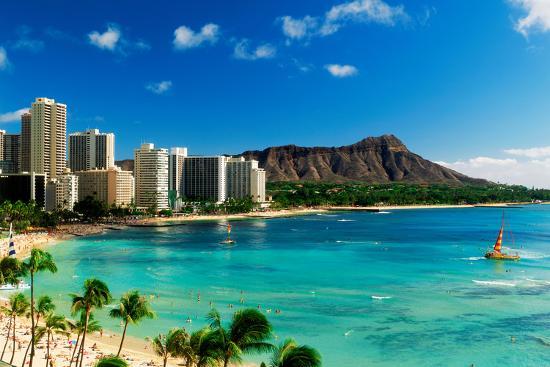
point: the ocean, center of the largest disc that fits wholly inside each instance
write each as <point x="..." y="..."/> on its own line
<point x="397" y="288"/>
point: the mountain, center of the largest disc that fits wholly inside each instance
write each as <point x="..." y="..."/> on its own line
<point x="126" y="164"/>
<point x="381" y="159"/>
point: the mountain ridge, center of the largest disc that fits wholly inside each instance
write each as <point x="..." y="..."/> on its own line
<point x="376" y="160"/>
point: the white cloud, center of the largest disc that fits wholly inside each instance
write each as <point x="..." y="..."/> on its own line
<point x="3" y="59"/>
<point x="341" y="71"/>
<point x="537" y="152"/>
<point x="185" y="37"/>
<point x="242" y="51"/>
<point x="160" y="87"/>
<point x="107" y="40"/>
<point x="12" y="116"/>
<point x="537" y="17"/>
<point x="299" y="28"/>
<point x="505" y="170"/>
<point x="25" y="42"/>
<point x="356" y="11"/>
<point x="362" y="11"/>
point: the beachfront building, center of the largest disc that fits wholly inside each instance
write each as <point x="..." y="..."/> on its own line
<point x="91" y="149"/>
<point x="257" y="185"/>
<point x="151" y="177"/>
<point x="24" y="187"/>
<point x="10" y="153"/>
<point x="204" y="178"/>
<point x="25" y="143"/>
<point x="245" y="179"/>
<point x="175" y="176"/>
<point x="111" y="186"/>
<point x="62" y="192"/>
<point x="48" y="137"/>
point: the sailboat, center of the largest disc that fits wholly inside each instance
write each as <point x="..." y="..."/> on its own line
<point x="228" y="240"/>
<point x="496" y="253"/>
<point x="11" y="253"/>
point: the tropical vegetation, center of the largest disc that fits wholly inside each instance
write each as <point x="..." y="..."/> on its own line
<point x="294" y="194"/>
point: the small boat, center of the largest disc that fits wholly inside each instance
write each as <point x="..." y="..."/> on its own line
<point x="12" y="287"/>
<point x="496" y="253"/>
<point x="228" y="240"/>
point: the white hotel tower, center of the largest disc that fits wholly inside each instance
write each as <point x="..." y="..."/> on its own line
<point x="91" y="149"/>
<point x="151" y="177"/>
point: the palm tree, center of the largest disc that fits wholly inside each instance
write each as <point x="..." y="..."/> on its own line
<point x="202" y="349"/>
<point x="43" y="307"/>
<point x="18" y="306"/>
<point x="131" y="309"/>
<point x="55" y="324"/>
<point x="171" y="344"/>
<point x="93" y="326"/>
<point x="248" y="331"/>
<point x="96" y="294"/>
<point x="39" y="261"/>
<point x="11" y="269"/>
<point x="290" y="354"/>
<point x="111" y="362"/>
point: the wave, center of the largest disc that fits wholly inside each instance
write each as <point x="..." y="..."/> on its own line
<point x="526" y="254"/>
<point x="347" y="333"/>
<point x="538" y="281"/>
<point x="472" y="258"/>
<point x="383" y="212"/>
<point x="380" y="297"/>
<point x="345" y="220"/>
<point x="494" y="283"/>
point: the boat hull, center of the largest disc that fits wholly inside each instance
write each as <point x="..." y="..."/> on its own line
<point x="492" y="255"/>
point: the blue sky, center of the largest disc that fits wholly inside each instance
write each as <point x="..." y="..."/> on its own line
<point x="455" y="80"/>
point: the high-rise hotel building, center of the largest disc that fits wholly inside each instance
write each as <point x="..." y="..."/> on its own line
<point x="47" y="145"/>
<point x="204" y="178"/>
<point x="91" y="149"/>
<point x="62" y="192"/>
<point x="25" y="143"/>
<point x="151" y="177"/>
<point x="111" y="186"/>
<point x="176" y="160"/>
<point x="11" y="152"/>
<point x="245" y="179"/>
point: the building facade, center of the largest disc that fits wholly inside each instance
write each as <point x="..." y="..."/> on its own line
<point x="257" y="185"/>
<point x="239" y="177"/>
<point x="175" y="176"/>
<point x="110" y="186"/>
<point x="10" y="153"/>
<point x="91" y="149"/>
<point x="204" y="178"/>
<point x="48" y="138"/>
<point x="62" y="192"/>
<point x="151" y="177"/>
<point x="25" y="143"/>
<point x="24" y="187"/>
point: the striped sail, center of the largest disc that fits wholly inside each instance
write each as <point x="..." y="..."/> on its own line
<point x="498" y="243"/>
<point x="11" y="252"/>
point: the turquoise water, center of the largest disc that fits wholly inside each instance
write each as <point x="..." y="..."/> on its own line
<point x="445" y="305"/>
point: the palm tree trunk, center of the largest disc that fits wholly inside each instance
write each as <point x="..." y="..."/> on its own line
<point x="30" y="343"/>
<point x="26" y="353"/>
<point x="84" y="335"/>
<point x="13" y="350"/>
<point x="122" y="340"/>
<point x="33" y="325"/>
<point x="74" y="351"/>
<point x="7" y="339"/>
<point x="47" y="348"/>
<point x="165" y="360"/>
<point x="78" y="354"/>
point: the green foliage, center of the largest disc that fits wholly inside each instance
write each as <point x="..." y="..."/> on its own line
<point x="111" y="361"/>
<point x="91" y="208"/>
<point x="166" y="213"/>
<point x="292" y="194"/>
<point x="290" y="354"/>
<point x="95" y="294"/>
<point x="11" y="269"/>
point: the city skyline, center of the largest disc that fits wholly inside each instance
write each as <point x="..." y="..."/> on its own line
<point x="310" y="74"/>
